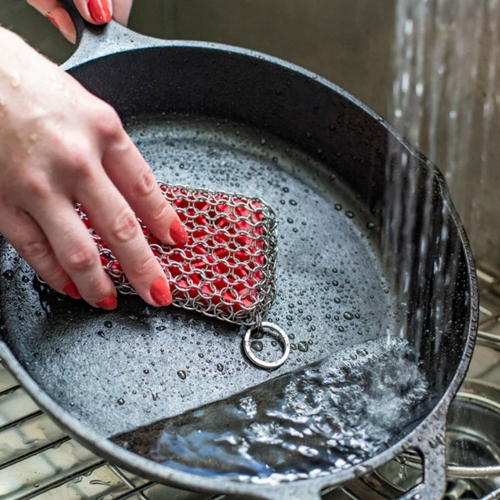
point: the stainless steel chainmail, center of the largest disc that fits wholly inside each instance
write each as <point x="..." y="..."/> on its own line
<point x="227" y="269"/>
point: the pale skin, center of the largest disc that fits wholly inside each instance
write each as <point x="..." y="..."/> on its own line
<point x="60" y="145"/>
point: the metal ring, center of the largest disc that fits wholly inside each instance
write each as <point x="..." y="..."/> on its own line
<point x="270" y="365"/>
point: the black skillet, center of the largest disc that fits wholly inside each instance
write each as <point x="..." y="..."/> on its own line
<point x="220" y="117"/>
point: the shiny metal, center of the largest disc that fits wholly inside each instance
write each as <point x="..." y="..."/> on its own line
<point x="269" y="365"/>
<point x="494" y="495"/>
<point x="227" y="269"/>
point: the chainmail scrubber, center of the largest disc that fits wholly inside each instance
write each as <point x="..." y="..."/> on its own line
<point x="227" y="268"/>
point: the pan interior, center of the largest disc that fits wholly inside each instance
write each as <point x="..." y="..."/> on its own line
<point x="119" y="371"/>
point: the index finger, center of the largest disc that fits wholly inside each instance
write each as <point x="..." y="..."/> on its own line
<point x="116" y="223"/>
<point x="134" y="179"/>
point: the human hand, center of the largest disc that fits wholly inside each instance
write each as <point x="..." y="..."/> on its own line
<point x="94" y="11"/>
<point x="60" y="145"/>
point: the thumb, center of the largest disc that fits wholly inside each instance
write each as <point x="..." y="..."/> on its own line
<point x="95" y="11"/>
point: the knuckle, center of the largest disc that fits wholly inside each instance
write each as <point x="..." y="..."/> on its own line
<point x="145" y="183"/>
<point x="100" y="290"/>
<point x="125" y="227"/>
<point x="54" y="277"/>
<point x="77" y="158"/>
<point x="146" y="267"/>
<point x="82" y="259"/>
<point x="34" y="250"/>
<point x="108" y="122"/>
<point x="35" y="186"/>
<point x="160" y="213"/>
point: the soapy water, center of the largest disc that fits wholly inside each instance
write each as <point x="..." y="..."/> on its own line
<point x="326" y="417"/>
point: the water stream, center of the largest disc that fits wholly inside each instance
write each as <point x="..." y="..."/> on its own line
<point x="443" y="98"/>
<point x="326" y="417"/>
<point x="340" y="411"/>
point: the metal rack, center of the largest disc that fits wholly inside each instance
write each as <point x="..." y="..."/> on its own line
<point x="39" y="461"/>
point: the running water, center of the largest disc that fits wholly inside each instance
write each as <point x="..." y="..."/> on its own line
<point x="339" y="412"/>
<point x="443" y="51"/>
<point x="327" y="417"/>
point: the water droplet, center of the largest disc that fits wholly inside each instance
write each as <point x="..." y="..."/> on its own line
<point x="293" y="203"/>
<point x="349" y="214"/>
<point x="121" y="401"/>
<point x="25" y="279"/>
<point x="182" y="374"/>
<point x="348" y="315"/>
<point x="8" y="275"/>
<point x="146" y="372"/>
<point x="201" y="355"/>
<point x="338" y="206"/>
<point x="303" y="346"/>
<point x="108" y="324"/>
<point x="370" y="225"/>
<point x="220" y="367"/>
<point x="289" y="220"/>
<point x="15" y="80"/>
<point x="257" y="345"/>
<point x="336" y="300"/>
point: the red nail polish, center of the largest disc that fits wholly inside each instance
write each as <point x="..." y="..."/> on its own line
<point x="160" y="292"/>
<point x="178" y="233"/>
<point x="108" y="304"/>
<point x="71" y="290"/>
<point x="99" y="11"/>
<point x="54" y="23"/>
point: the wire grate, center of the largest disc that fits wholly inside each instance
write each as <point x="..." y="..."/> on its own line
<point x="38" y="461"/>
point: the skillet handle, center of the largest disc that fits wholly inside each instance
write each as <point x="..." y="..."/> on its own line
<point x="99" y="41"/>
<point x="433" y="449"/>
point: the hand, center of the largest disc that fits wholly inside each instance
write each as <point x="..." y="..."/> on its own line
<point x="94" y="11"/>
<point x="59" y="145"/>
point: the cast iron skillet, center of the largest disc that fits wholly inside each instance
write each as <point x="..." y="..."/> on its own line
<point x="226" y="118"/>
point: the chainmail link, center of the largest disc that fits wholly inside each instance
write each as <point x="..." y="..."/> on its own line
<point x="227" y="268"/>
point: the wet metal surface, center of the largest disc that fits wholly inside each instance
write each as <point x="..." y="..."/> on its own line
<point x="72" y="473"/>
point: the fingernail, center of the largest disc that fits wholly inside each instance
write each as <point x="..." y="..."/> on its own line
<point x="52" y="20"/>
<point x="71" y="290"/>
<point x="178" y="233"/>
<point x="108" y="304"/>
<point x="99" y="11"/>
<point x="160" y="292"/>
